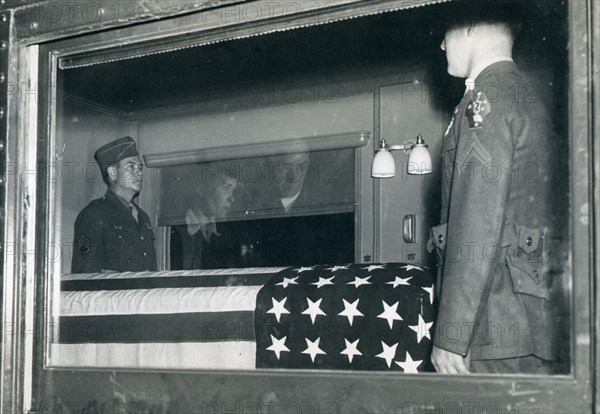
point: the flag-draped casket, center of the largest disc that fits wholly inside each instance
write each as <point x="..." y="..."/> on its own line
<point x="197" y="319"/>
<point x="369" y="317"/>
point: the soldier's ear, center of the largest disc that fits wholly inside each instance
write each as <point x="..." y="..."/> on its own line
<point x="112" y="173"/>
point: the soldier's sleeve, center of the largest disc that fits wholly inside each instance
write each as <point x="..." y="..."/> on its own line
<point x="477" y="211"/>
<point x="88" y="244"/>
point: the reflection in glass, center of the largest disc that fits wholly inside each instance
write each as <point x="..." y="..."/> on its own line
<point x="281" y="210"/>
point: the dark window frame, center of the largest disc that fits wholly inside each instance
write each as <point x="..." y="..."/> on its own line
<point x="377" y="391"/>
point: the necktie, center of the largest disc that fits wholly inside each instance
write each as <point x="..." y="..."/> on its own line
<point x="209" y="229"/>
<point x="134" y="211"/>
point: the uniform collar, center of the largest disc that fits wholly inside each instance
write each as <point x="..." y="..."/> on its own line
<point x="128" y="204"/>
<point x="470" y="81"/>
<point x="197" y="221"/>
<point x="288" y="201"/>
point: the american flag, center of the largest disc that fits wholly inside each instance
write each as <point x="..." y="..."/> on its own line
<point x="355" y="317"/>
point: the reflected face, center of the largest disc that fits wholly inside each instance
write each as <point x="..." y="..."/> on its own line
<point x="456" y="44"/>
<point x="220" y="197"/>
<point x="127" y="175"/>
<point x="290" y="173"/>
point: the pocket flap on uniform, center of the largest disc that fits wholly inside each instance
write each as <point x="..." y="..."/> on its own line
<point x="529" y="239"/>
<point x="530" y="278"/>
<point x="437" y="237"/>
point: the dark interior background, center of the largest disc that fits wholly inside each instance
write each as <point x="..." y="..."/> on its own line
<point x="367" y="46"/>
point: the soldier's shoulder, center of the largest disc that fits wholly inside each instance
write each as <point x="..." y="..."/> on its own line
<point x="94" y="207"/>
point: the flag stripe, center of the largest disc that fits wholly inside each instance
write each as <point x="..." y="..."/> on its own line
<point x="180" y="327"/>
<point x="155" y="301"/>
<point x="165" y="282"/>
<point x="170" y="273"/>
<point x="186" y="355"/>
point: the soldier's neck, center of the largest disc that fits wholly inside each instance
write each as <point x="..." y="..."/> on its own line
<point x="482" y="55"/>
<point x="126" y="195"/>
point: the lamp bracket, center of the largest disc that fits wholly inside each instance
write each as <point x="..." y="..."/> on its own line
<point x="406" y="147"/>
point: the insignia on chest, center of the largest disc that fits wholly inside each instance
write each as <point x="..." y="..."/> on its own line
<point x="478" y="109"/>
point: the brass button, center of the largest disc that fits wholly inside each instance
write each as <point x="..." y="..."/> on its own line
<point x="529" y="241"/>
<point x="535" y="272"/>
<point x="440" y="239"/>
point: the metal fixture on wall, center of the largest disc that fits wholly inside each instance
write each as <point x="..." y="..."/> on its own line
<point x="419" y="160"/>
<point x="4" y="35"/>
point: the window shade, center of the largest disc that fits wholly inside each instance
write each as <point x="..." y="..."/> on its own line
<point x="327" y="187"/>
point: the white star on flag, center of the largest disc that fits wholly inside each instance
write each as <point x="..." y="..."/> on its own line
<point x="399" y="281"/>
<point x="278" y="346"/>
<point x="288" y="281"/>
<point x="334" y="268"/>
<point x="389" y="313"/>
<point x="373" y="267"/>
<point x="411" y="267"/>
<point x="313" y="348"/>
<point x="388" y="353"/>
<point x="305" y="269"/>
<point x="278" y="308"/>
<point x="351" y="349"/>
<point x="409" y="366"/>
<point x="314" y="309"/>
<point x="350" y="310"/>
<point x="359" y="281"/>
<point x="422" y="329"/>
<point x="323" y="282"/>
<point x="430" y="291"/>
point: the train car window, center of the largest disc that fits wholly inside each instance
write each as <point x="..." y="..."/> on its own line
<point x="281" y="210"/>
<point x="211" y="208"/>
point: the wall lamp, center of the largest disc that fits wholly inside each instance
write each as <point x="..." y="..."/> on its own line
<point x="419" y="160"/>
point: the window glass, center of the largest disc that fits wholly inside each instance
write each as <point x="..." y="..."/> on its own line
<point x="281" y="210"/>
<point x="301" y="209"/>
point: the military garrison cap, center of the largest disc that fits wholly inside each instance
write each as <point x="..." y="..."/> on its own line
<point x="469" y="12"/>
<point x="114" y="152"/>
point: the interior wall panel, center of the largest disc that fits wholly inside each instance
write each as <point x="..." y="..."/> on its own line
<point x="80" y="132"/>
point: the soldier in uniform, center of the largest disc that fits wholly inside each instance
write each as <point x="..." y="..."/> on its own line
<point x="495" y="304"/>
<point x="112" y="233"/>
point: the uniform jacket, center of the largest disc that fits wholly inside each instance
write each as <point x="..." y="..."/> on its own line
<point x="497" y="177"/>
<point x="298" y="236"/>
<point x="108" y="238"/>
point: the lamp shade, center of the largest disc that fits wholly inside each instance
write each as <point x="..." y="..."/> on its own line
<point x="383" y="165"/>
<point x="419" y="160"/>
